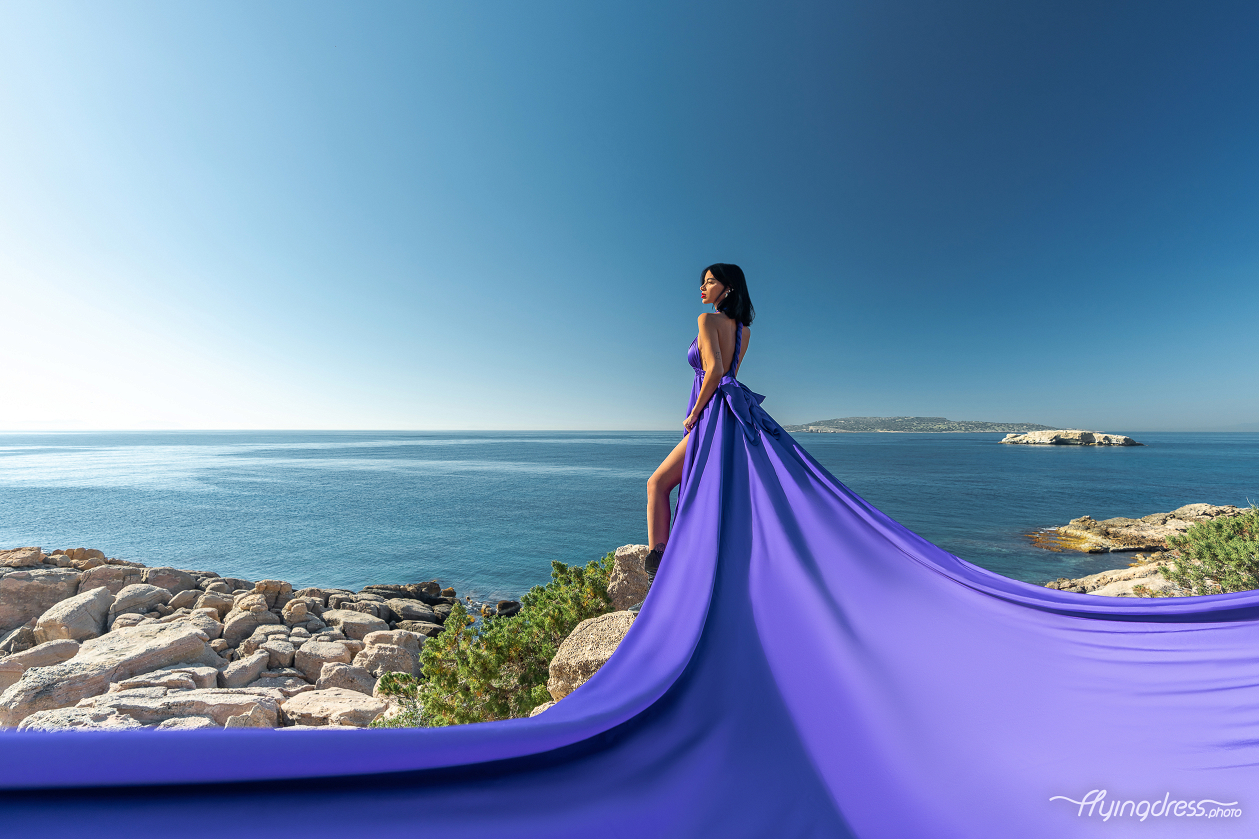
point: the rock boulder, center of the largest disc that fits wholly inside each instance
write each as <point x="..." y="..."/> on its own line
<point x="136" y="599"/>
<point x="346" y="676"/>
<point x="112" y="657"/>
<point x="78" y="618"/>
<point x="21" y="558"/>
<point x="240" y="625"/>
<point x="333" y="706"/>
<point x="218" y="705"/>
<point x="171" y="579"/>
<point x="42" y="655"/>
<point x="27" y="593"/>
<point x="313" y="655"/>
<point x="113" y="577"/>
<point x="352" y="623"/>
<point x="242" y="672"/>
<point x="64" y="719"/>
<point x="627" y="584"/>
<point x="388" y="658"/>
<point x="585" y="650"/>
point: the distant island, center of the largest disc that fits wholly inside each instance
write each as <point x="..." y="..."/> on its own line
<point x="918" y="425"/>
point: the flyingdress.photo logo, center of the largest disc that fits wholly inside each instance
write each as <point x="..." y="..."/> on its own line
<point x="1200" y="808"/>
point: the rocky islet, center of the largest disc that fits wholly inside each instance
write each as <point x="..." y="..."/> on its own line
<point x="1069" y="437"/>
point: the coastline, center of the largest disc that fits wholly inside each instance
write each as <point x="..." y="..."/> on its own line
<point x="1146" y="538"/>
<point x="97" y="642"/>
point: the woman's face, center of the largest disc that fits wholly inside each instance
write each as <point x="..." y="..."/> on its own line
<point x="711" y="291"/>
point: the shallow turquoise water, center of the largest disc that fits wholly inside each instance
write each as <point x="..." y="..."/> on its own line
<point x="487" y="511"/>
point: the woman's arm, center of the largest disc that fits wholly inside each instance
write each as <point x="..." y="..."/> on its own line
<point x="710" y="352"/>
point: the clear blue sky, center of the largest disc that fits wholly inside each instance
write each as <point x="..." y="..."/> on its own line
<point x="493" y="215"/>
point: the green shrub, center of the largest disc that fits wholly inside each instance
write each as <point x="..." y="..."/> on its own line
<point x="404" y="688"/>
<point x="1217" y="556"/>
<point x="498" y="670"/>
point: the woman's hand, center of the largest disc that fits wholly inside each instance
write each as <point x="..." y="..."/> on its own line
<point x="690" y="421"/>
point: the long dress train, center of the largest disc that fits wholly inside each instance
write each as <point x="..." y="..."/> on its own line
<point x="803" y="666"/>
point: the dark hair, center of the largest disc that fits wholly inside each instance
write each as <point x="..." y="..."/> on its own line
<point x="737" y="304"/>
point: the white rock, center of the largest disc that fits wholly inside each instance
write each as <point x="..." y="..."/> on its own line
<point x="411" y="610"/>
<point x="27" y="593"/>
<point x="286" y="685"/>
<point x="137" y="598"/>
<point x="185" y="599"/>
<point x="388" y="658"/>
<point x="273" y="590"/>
<point x="112" y="657"/>
<point x="240" y="673"/>
<point x="21" y="558"/>
<point x="585" y="650"/>
<point x="42" y="655"/>
<point x="221" y="603"/>
<point x="254" y="718"/>
<point x="336" y="675"/>
<point x="169" y="679"/>
<point x="281" y="653"/>
<point x="313" y="655"/>
<point x="113" y="577"/>
<point x="398" y="637"/>
<point x="78" y="618"/>
<point x="186" y="723"/>
<point x="171" y="579"/>
<point x="334" y="706"/>
<point x="353" y="624"/>
<point x="218" y="705"/>
<point x="627" y="585"/>
<point x="63" y="719"/>
<point x="239" y="625"/>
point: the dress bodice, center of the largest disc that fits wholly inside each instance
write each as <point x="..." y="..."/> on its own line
<point x="696" y="360"/>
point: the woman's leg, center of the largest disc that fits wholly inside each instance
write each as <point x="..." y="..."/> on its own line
<point x="667" y="475"/>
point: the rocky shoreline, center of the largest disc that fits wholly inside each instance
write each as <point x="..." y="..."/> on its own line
<point x="88" y="641"/>
<point x="91" y="642"/>
<point x="1147" y="535"/>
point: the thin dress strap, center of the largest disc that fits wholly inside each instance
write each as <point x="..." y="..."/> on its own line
<point x="738" y="340"/>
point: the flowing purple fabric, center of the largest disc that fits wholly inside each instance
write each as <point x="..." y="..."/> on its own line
<point x="804" y="666"/>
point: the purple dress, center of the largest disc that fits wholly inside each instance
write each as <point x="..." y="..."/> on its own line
<point x="696" y="361"/>
<point x="803" y="666"/>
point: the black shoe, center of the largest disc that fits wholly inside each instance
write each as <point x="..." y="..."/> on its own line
<point x="651" y="564"/>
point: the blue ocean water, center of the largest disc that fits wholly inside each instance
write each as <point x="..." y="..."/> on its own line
<point x="487" y="511"/>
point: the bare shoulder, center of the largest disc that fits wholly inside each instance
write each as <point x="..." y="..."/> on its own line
<point x="715" y="320"/>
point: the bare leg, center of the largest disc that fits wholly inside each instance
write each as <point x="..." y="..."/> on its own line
<point x="667" y="475"/>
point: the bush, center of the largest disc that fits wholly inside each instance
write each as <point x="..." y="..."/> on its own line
<point x="404" y="688"/>
<point x="498" y="670"/>
<point x="1217" y="556"/>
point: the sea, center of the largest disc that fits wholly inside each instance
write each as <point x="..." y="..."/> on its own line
<point x="487" y="512"/>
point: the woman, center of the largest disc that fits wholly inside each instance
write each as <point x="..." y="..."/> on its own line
<point x="714" y="354"/>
